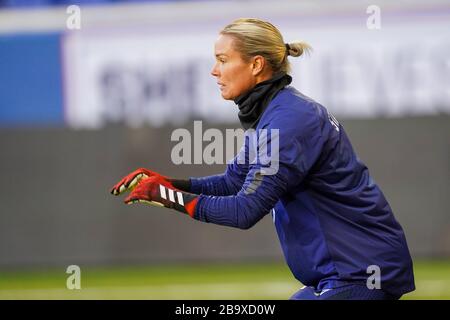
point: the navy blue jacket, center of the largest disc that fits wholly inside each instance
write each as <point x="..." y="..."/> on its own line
<point x="332" y="220"/>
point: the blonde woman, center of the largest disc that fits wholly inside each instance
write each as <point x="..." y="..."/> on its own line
<point x="337" y="231"/>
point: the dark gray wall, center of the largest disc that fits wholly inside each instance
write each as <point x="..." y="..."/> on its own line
<point x="56" y="208"/>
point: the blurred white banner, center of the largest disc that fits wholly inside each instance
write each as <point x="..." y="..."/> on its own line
<point x="161" y="74"/>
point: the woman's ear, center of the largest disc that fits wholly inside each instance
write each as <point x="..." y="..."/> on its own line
<point x="258" y="65"/>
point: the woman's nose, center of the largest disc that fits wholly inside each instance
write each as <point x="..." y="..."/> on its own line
<point x="214" y="70"/>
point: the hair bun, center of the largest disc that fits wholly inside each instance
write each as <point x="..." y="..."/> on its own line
<point x="296" y="49"/>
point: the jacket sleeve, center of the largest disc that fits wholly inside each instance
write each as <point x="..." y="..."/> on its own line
<point x="228" y="183"/>
<point x="298" y="150"/>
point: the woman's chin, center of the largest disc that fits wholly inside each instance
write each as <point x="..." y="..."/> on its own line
<point x="226" y="96"/>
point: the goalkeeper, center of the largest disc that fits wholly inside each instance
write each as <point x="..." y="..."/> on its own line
<point x="333" y="221"/>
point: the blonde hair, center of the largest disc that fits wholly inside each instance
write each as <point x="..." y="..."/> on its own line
<point x="257" y="37"/>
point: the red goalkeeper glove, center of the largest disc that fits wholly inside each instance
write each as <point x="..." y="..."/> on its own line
<point x="157" y="190"/>
<point x="132" y="179"/>
<point x="129" y="181"/>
